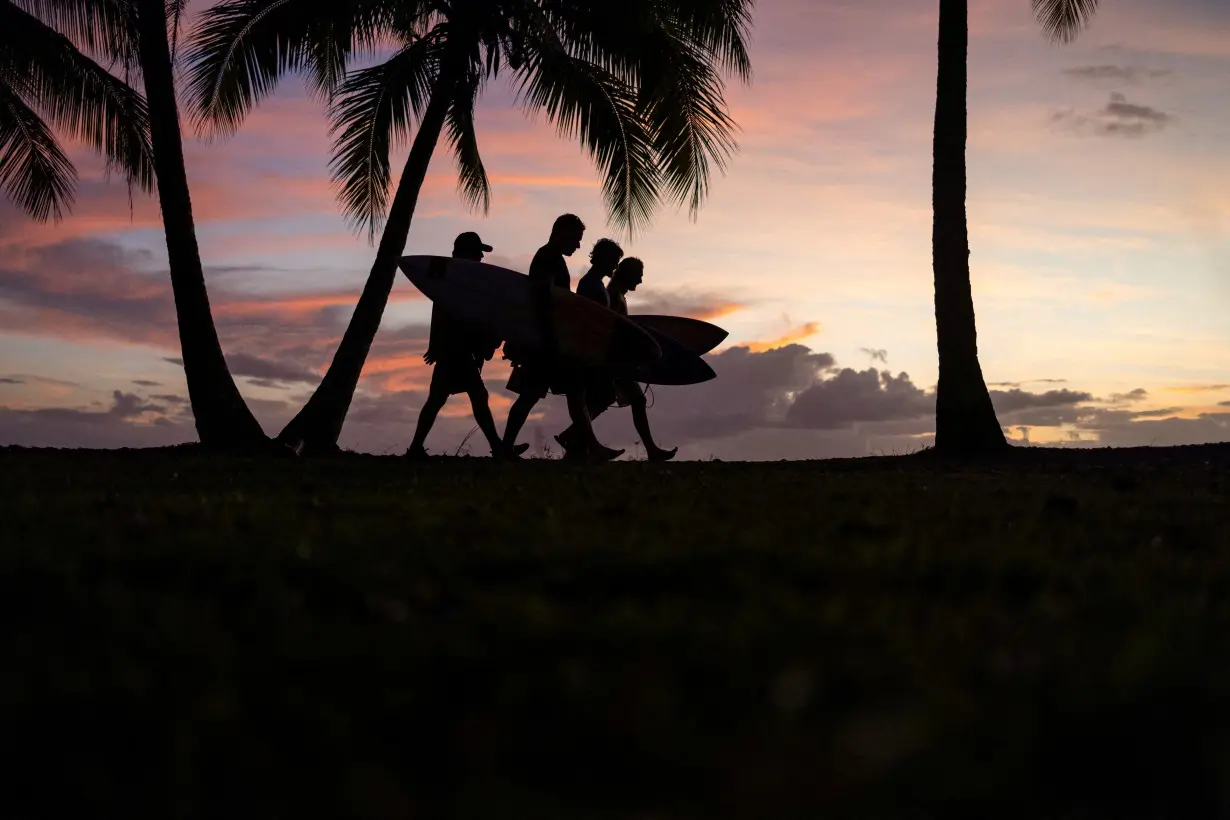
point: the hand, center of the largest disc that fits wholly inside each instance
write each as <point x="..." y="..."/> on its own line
<point x="429" y="357"/>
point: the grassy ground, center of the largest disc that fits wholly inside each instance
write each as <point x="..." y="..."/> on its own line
<point x="362" y="637"/>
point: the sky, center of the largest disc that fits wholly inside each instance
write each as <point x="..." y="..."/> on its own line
<point x="1099" y="210"/>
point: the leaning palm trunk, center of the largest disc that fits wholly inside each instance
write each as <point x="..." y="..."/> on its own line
<point x="319" y="424"/>
<point x="965" y="422"/>
<point x="223" y="420"/>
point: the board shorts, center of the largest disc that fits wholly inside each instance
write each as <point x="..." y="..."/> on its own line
<point x="604" y="389"/>
<point x="537" y="378"/>
<point x="628" y="391"/>
<point x="534" y="375"/>
<point x="457" y="373"/>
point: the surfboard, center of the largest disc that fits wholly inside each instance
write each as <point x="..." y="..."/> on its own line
<point x="501" y="301"/>
<point x="696" y="336"/>
<point x="678" y="365"/>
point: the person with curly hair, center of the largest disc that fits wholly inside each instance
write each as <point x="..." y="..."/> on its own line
<point x="605" y="388"/>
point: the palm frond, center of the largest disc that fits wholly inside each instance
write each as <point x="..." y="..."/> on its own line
<point x="374" y="111"/>
<point x="603" y="33"/>
<point x="77" y="96"/>
<point x="689" y="124"/>
<point x="104" y="29"/>
<point x="614" y="35"/>
<point x="1062" y="20"/>
<point x="34" y="171"/>
<point x="718" y="27"/>
<point x="462" y="135"/>
<point x="674" y="52"/>
<point x="585" y="101"/>
<point x="175" y="15"/>
<point x="240" y="49"/>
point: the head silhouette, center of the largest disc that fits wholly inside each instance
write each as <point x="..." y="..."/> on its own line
<point x="566" y="234"/>
<point x="629" y="274"/>
<point x="468" y="245"/>
<point x="606" y="255"/>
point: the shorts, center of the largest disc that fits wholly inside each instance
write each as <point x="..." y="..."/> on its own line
<point x="537" y="378"/>
<point x="457" y="374"/>
<point x="628" y="392"/>
<point x="604" y="389"/>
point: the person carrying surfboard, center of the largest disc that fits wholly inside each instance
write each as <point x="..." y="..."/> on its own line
<point x="537" y="373"/>
<point x="457" y="352"/>
<point x="602" y="261"/>
<point x="607" y="388"/>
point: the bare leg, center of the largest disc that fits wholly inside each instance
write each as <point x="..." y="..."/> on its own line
<point x="427" y="417"/>
<point x="517" y="415"/>
<point x="480" y="405"/>
<point x="640" y="418"/>
<point x="595" y="406"/>
<point x="569" y="438"/>
<point x="580" y="420"/>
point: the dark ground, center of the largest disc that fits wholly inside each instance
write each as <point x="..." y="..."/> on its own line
<point x="361" y="637"/>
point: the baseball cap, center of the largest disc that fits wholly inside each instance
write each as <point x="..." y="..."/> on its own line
<point x="469" y="241"/>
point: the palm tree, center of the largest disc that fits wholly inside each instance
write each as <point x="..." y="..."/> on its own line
<point x="638" y="82"/>
<point x="46" y="83"/>
<point x="965" y="421"/>
<point x="135" y="35"/>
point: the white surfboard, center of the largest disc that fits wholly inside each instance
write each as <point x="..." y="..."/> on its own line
<point x="500" y="301"/>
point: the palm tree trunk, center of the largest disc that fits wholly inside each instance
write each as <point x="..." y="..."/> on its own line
<point x="223" y="420"/>
<point x="965" y="422"/>
<point x="319" y="424"/>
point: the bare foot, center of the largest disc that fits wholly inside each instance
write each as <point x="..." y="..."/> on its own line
<point x="573" y="450"/>
<point x="417" y="454"/>
<point x="509" y="452"/>
<point x="658" y="454"/>
<point x="601" y="454"/>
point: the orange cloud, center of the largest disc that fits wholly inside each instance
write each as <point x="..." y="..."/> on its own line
<point x="792" y="336"/>
<point x="460" y="408"/>
<point x="101" y="208"/>
<point x="397" y="371"/>
<point x="712" y="312"/>
<point x="705" y="307"/>
<point x="302" y="308"/>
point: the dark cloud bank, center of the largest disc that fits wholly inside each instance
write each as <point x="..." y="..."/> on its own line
<point x="1127" y="74"/>
<point x="1118" y="118"/>
<point x="786" y="403"/>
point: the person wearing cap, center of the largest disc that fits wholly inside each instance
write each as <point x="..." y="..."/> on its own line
<point x="468" y="245"/>
<point x="457" y="352"/>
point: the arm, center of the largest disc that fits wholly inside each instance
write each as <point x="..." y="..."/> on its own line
<point x="541" y="282"/>
<point x="433" y="340"/>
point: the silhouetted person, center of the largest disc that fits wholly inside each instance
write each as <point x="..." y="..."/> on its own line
<point x="540" y="372"/>
<point x="458" y="352"/>
<point x="606" y="388"/>
<point x="602" y="261"/>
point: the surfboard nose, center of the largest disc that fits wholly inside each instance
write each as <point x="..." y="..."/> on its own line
<point x="424" y="272"/>
<point x="630" y="341"/>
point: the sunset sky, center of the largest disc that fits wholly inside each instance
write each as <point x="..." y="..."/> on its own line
<point x="1099" y="207"/>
